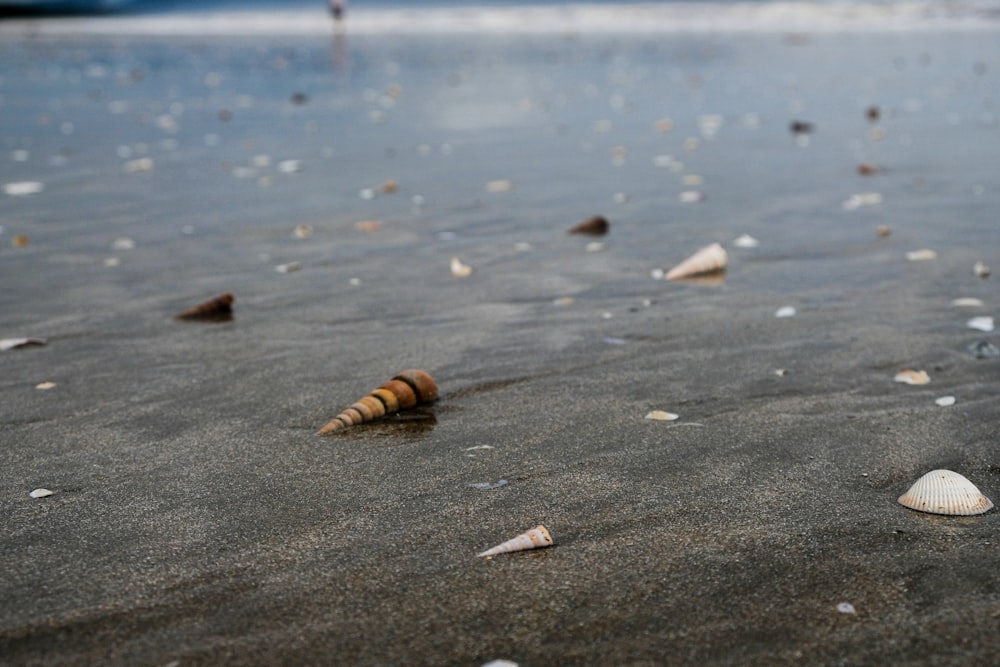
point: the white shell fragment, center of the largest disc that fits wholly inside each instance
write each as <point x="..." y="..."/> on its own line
<point x="983" y="323"/>
<point x="945" y="492"/>
<point x="921" y="255"/>
<point x="967" y="301"/>
<point x="499" y="185"/>
<point x="458" y="269"/>
<point x="945" y="401"/>
<point x="912" y="377"/>
<point x="846" y="608"/>
<point x="661" y="416"/>
<point x="500" y="663"/>
<point x="980" y="270"/>
<point x="291" y="267"/>
<point x="707" y="260"/>
<point x="785" y="311"/>
<point x="40" y="493"/>
<point x="45" y="385"/>
<point x="536" y="538"/>
<point x="11" y="343"/>
<point x="745" y="241"/>
<point x="22" y="188"/>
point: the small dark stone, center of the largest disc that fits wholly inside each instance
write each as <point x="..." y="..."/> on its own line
<point x="801" y="127"/>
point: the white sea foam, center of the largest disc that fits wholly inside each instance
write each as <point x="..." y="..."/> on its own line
<point x="787" y="17"/>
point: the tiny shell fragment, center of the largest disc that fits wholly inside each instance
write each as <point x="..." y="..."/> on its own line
<point x="22" y="188"/>
<point x="40" y="493"/>
<point x="661" y="415"/>
<point x="45" y="385"/>
<point x="595" y="226"/>
<point x="458" y="269"/>
<point x="20" y="241"/>
<point x="912" y="377"/>
<point x="745" y="241"/>
<point x="883" y="231"/>
<point x="785" y="311"/>
<point x="970" y="302"/>
<point x="499" y="185"/>
<point x="980" y="270"/>
<point x="983" y="323"/>
<point x="921" y="255"/>
<point x="368" y="225"/>
<point x="846" y="608"/>
<point x="488" y="486"/>
<point x="302" y="231"/>
<point x="945" y="401"/>
<point x="288" y="268"/>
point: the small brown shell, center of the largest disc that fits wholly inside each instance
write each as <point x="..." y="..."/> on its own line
<point x="219" y="308"/>
<point x="406" y="390"/>
<point x="595" y="226"/>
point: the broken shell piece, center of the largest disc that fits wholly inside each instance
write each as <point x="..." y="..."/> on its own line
<point x="883" y="231"/>
<point x="982" y="323"/>
<point x="40" y="493"/>
<point x="661" y="415"/>
<point x="368" y="225"/>
<point x="867" y="169"/>
<point x="945" y="401"/>
<point x="785" y="311"/>
<point x="291" y="267"/>
<point x="846" y="608"/>
<point x="499" y="185"/>
<point x="219" y="308"/>
<point x="945" y="492"/>
<point x="458" y="269"/>
<point x="536" y="538"/>
<point x="595" y="246"/>
<point x="912" y="377"/>
<point x="388" y="187"/>
<point x="11" y="343"/>
<point x="980" y="270"/>
<point x="407" y="389"/>
<point x="969" y="302"/>
<point x="745" y="241"/>
<point x="22" y="188"/>
<point x="45" y="385"/>
<point x="20" y="241"/>
<point x="921" y="255"/>
<point x="710" y="259"/>
<point x="302" y="231"/>
<point x="692" y="196"/>
<point x="595" y="226"/>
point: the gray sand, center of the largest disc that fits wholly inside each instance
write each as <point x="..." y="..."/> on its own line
<point x="197" y="519"/>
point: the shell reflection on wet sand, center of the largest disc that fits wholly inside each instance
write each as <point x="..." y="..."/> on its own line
<point x="536" y="538"/>
<point x="406" y="390"/>
<point x="945" y="492"/>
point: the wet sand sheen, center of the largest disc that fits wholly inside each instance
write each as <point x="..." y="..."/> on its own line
<point x="197" y="517"/>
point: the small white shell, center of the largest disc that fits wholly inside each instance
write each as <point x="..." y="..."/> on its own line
<point x="661" y="416"/>
<point x="846" y="608"/>
<point x="945" y="492"/>
<point x="536" y="538"/>
<point x="921" y="255"/>
<point x="40" y="493"/>
<point x="945" y="401"/>
<point x="745" y="241"/>
<point x="707" y="260"/>
<point x="912" y="377"/>
<point x="982" y="323"/>
<point x="968" y="301"/>
<point x="458" y="269"/>
<point x="785" y="311"/>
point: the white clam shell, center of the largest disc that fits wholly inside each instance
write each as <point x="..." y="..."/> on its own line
<point x="536" y="538"/>
<point x="945" y="492"/>
<point x="661" y="416"/>
<point x="982" y="323"/>
<point x="40" y="493"/>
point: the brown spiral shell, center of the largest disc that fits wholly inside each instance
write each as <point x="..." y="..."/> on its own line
<point x="219" y="308"/>
<point x="405" y="390"/>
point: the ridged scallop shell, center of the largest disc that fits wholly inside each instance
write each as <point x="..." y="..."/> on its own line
<point x="219" y="308"/>
<point x="945" y="492"/>
<point x="709" y="259"/>
<point x="408" y="389"/>
<point x="536" y="538"/>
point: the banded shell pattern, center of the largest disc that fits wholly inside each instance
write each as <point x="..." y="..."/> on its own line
<point x="945" y="492"/>
<point x="710" y="259"/>
<point x="536" y="538"/>
<point x="406" y="390"/>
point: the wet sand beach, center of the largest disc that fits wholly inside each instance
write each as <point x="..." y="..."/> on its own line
<point x="196" y="518"/>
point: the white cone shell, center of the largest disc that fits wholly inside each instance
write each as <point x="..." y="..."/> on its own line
<point x="535" y="538"/>
<point x="945" y="492"/>
<point x="707" y="260"/>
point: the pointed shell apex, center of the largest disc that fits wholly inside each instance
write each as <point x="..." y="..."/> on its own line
<point x="945" y="492"/>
